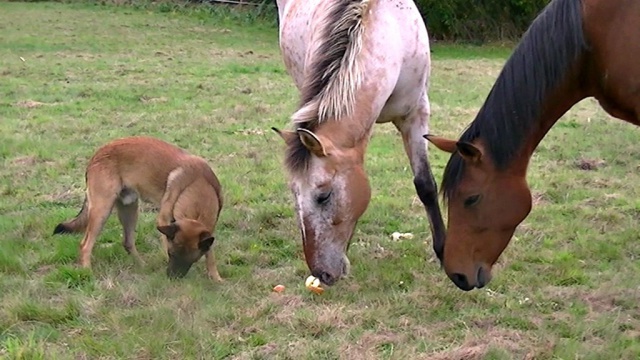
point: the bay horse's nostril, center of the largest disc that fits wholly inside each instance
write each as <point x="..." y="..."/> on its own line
<point x="483" y="278"/>
<point x="461" y="281"/>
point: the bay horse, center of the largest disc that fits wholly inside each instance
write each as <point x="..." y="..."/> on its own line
<point x="574" y="49"/>
<point x="355" y="63"/>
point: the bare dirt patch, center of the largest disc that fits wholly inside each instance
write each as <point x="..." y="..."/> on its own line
<point x="24" y="161"/>
<point x="368" y="346"/>
<point x="64" y="195"/>
<point x="476" y="346"/>
<point x="463" y="353"/>
<point x="288" y="304"/>
<point x="600" y="301"/>
<point x="151" y="100"/>
<point x="538" y="198"/>
<point x="30" y="104"/>
<point x="590" y="164"/>
<point x="129" y="299"/>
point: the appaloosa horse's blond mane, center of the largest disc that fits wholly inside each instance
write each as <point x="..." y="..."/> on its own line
<point x="334" y="75"/>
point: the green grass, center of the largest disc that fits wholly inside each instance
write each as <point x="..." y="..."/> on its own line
<point x="567" y="287"/>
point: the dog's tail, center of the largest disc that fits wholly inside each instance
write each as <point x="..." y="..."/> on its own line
<point x="77" y="224"/>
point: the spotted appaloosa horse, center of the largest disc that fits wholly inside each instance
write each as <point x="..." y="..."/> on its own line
<point x="355" y="63"/>
<point x="573" y="50"/>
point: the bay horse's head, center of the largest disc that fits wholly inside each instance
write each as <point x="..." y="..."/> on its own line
<point x="331" y="192"/>
<point x="485" y="205"/>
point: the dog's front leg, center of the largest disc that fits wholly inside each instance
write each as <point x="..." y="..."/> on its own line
<point x="178" y="180"/>
<point x="165" y="246"/>
<point x="212" y="268"/>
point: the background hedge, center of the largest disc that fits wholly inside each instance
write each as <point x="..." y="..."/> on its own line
<point x="473" y="20"/>
<point x="479" y="20"/>
<point x="452" y="20"/>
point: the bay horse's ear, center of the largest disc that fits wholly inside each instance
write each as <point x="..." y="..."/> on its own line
<point x="312" y="142"/>
<point x="286" y="135"/>
<point x="442" y="143"/>
<point x="469" y="152"/>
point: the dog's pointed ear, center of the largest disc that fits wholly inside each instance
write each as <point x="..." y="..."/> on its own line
<point x="169" y="230"/>
<point x="286" y="135"/>
<point x="441" y="143"/>
<point x="206" y="240"/>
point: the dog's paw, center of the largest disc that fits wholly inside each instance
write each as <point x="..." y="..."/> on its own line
<point x="215" y="277"/>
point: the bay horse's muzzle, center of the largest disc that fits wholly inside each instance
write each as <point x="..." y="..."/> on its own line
<point x="482" y="278"/>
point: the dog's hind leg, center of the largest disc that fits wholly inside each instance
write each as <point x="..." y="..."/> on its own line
<point x="100" y="202"/>
<point x="128" y="216"/>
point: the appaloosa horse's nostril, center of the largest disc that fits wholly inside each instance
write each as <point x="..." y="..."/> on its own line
<point x="461" y="281"/>
<point x="326" y="278"/>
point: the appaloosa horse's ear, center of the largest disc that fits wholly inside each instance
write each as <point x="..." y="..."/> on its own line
<point x="442" y="143"/>
<point x="286" y="135"/>
<point x="312" y="142"/>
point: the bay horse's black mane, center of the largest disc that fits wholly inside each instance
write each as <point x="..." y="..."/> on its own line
<point x="540" y="62"/>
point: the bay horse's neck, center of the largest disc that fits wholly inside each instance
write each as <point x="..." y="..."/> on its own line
<point x="555" y="105"/>
<point x="539" y="82"/>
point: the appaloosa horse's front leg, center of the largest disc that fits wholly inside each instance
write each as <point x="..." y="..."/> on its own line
<point x="412" y="128"/>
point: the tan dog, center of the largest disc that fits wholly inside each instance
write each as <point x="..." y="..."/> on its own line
<point x="184" y="187"/>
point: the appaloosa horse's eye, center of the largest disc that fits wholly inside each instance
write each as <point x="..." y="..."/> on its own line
<point x="471" y="200"/>
<point x="323" y="198"/>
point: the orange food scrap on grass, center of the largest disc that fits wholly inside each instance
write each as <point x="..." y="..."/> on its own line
<point x="278" y="288"/>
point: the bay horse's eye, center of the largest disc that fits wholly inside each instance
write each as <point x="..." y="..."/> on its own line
<point x="323" y="198"/>
<point x="471" y="200"/>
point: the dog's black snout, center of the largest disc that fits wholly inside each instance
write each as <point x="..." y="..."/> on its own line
<point x="175" y="274"/>
<point x="177" y="269"/>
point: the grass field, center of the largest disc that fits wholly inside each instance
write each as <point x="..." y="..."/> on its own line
<point x="73" y="77"/>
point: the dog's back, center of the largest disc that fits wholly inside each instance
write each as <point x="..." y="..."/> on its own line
<point x="139" y="166"/>
<point x="142" y="164"/>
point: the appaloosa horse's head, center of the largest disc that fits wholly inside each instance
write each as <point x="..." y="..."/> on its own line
<point x="325" y="152"/>
<point x="331" y="192"/>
